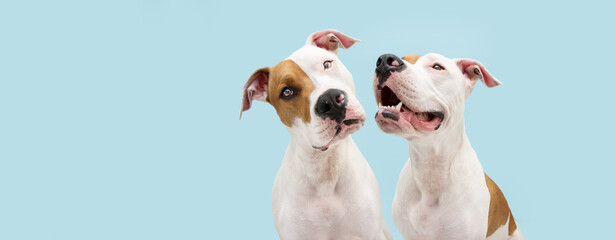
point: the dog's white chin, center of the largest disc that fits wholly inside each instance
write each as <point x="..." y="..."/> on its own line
<point x="388" y="126"/>
<point x="324" y="143"/>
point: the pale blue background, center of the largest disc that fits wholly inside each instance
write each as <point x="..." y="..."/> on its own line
<point x="119" y="119"/>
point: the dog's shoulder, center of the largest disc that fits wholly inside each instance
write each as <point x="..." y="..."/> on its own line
<point x="499" y="212"/>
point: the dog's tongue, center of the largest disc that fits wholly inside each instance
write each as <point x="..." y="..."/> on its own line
<point x="421" y="120"/>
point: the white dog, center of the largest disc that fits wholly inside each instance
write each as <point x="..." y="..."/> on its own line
<point x="442" y="192"/>
<point x="324" y="189"/>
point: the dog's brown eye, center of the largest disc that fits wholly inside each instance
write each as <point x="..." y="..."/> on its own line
<point x="327" y="64"/>
<point x="438" y="67"/>
<point x="287" y="93"/>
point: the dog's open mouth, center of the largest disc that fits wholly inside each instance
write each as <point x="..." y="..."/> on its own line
<point x="393" y="108"/>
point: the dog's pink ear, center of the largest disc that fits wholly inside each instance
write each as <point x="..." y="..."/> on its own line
<point x="330" y="40"/>
<point x="473" y="69"/>
<point x="255" y="89"/>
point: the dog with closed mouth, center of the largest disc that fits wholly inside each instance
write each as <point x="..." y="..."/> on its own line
<point x="324" y="189"/>
<point x="442" y="192"/>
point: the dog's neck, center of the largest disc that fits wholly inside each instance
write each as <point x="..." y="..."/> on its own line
<point x="321" y="169"/>
<point x="438" y="160"/>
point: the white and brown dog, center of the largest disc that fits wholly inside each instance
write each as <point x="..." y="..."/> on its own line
<point x="442" y="192"/>
<point x="324" y="188"/>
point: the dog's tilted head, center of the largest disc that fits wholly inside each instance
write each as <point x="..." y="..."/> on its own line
<point x="421" y="95"/>
<point x="312" y="91"/>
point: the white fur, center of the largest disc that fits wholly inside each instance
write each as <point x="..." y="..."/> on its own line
<point x="330" y="194"/>
<point x="441" y="192"/>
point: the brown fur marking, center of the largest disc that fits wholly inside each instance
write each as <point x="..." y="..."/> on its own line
<point x="499" y="212"/>
<point x="288" y="73"/>
<point x="412" y="58"/>
<point x="512" y="225"/>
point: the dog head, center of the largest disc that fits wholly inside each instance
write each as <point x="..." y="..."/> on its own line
<point x="312" y="91"/>
<point x="423" y="95"/>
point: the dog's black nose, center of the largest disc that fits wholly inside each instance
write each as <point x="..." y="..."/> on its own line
<point x="386" y="64"/>
<point x="332" y="104"/>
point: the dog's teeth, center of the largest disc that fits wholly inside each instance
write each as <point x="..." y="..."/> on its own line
<point x="379" y="104"/>
<point x="398" y="107"/>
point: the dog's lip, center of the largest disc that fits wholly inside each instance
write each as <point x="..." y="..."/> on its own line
<point x="326" y="146"/>
<point x="349" y="122"/>
<point x="345" y="126"/>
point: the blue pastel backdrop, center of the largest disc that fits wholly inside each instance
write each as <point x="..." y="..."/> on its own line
<point x="119" y="119"/>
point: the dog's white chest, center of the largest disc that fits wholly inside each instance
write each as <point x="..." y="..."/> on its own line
<point x="459" y="213"/>
<point x="323" y="211"/>
<point x="329" y="217"/>
<point x="423" y="221"/>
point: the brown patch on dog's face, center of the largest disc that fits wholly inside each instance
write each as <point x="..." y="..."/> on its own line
<point x="499" y="212"/>
<point x="287" y="74"/>
<point x="412" y="58"/>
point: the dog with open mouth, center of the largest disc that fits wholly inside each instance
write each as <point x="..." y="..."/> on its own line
<point x="324" y="189"/>
<point x="442" y="192"/>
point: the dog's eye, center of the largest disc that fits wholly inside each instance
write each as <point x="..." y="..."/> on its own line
<point x="438" y="67"/>
<point x="287" y="93"/>
<point x="327" y="64"/>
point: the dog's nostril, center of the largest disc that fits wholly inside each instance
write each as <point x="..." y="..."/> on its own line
<point x="390" y="61"/>
<point x="324" y="107"/>
<point x="394" y="63"/>
<point x="379" y="61"/>
<point x="340" y="99"/>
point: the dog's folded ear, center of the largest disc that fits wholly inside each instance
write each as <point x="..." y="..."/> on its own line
<point x="255" y="89"/>
<point x="330" y="40"/>
<point x="474" y="69"/>
<point x="411" y="58"/>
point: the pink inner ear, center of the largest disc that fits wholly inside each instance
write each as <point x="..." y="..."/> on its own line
<point x="255" y="89"/>
<point x="331" y="40"/>
<point x="473" y="69"/>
